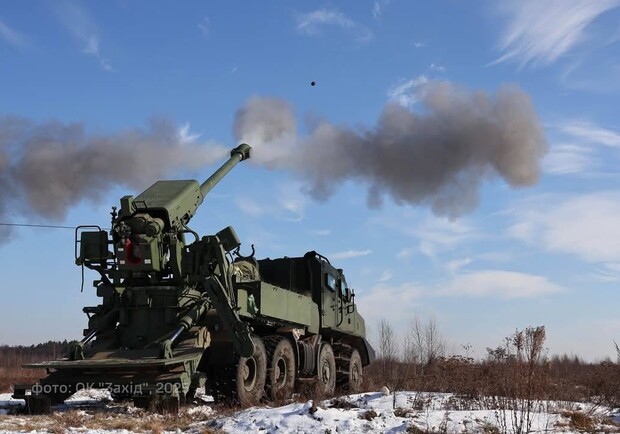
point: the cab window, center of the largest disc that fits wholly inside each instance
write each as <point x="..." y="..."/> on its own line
<point x="330" y="281"/>
<point x="343" y="289"/>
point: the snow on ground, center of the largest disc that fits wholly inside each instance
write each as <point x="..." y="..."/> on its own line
<point x="7" y="402"/>
<point x="374" y="412"/>
<point x="402" y="412"/>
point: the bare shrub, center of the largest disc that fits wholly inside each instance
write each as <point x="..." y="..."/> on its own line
<point x="519" y="375"/>
<point x="388" y="354"/>
<point x="423" y="344"/>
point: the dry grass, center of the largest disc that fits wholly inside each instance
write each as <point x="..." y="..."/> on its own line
<point x="13" y="357"/>
<point x="343" y="403"/>
<point x="110" y="419"/>
<point x="413" y="429"/>
<point x="9" y="376"/>
<point x="69" y="419"/>
<point x="580" y="421"/>
<point x="368" y="415"/>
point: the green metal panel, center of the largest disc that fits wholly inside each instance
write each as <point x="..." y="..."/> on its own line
<point x="352" y="322"/>
<point x="242" y="302"/>
<point x="178" y="198"/>
<point x="123" y="359"/>
<point x="287" y="305"/>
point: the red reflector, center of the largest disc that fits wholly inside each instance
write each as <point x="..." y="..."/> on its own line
<point x="129" y="253"/>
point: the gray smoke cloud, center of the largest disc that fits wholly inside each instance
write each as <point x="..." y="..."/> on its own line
<point x="437" y="156"/>
<point x="45" y="168"/>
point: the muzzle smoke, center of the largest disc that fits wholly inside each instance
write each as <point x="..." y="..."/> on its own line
<point x="45" y="168"/>
<point x="439" y="156"/>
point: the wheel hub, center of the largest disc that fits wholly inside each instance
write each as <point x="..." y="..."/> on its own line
<point x="326" y="373"/>
<point x="249" y="373"/>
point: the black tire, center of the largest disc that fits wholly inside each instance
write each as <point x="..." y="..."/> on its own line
<point x="251" y="375"/>
<point x="326" y="371"/>
<point x="282" y="368"/>
<point x="356" y="372"/>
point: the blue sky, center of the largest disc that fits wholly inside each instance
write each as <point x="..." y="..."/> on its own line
<point x="547" y="254"/>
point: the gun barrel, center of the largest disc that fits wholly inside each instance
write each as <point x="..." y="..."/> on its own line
<point x="240" y="153"/>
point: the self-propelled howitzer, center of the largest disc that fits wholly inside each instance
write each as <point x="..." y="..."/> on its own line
<point x="177" y="309"/>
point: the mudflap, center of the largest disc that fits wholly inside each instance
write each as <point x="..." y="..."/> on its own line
<point x="38" y="404"/>
<point x="35" y="404"/>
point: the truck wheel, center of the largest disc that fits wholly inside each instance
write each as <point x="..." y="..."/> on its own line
<point x="281" y="372"/>
<point x="251" y="374"/>
<point x="326" y="381"/>
<point x="355" y="372"/>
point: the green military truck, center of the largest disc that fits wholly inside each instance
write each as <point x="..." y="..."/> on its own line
<point x="179" y="312"/>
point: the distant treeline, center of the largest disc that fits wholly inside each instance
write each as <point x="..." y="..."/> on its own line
<point x="12" y="357"/>
<point x="15" y="355"/>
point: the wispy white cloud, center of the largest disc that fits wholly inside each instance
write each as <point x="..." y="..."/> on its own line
<point x="564" y="159"/>
<point x="584" y="225"/>
<point x="205" y="26"/>
<point x="378" y="6"/>
<point x="322" y="232"/>
<point x="608" y="272"/>
<point x="348" y="254"/>
<point x="499" y="284"/>
<point x="78" y="21"/>
<point x="404" y="254"/>
<point x="385" y="276"/>
<point x="408" y="93"/>
<point x="12" y="36"/>
<point x="540" y="32"/>
<point x="378" y="302"/>
<point x="312" y="23"/>
<point x="437" y="68"/>
<point x="591" y="133"/>
<point x="456" y="264"/>
<point x="291" y="201"/>
<point x="427" y="234"/>
<point x="419" y="44"/>
<point x="437" y="235"/>
<point x="498" y="256"/>
<point x="250" y="207"/>
<point x="288" y="203"/>
<point x="186" y="136"/>
<point x="579" y="151"/>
